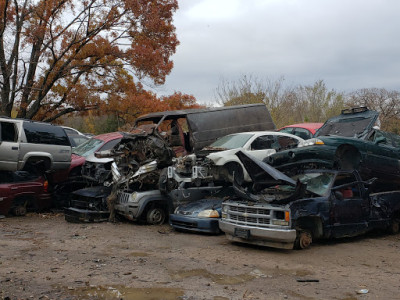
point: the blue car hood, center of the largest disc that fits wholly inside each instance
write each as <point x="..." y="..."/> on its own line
<point x="200" y="205"/>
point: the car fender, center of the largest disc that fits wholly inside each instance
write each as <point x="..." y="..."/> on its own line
<point x="30" y="155"/>
<point x="154" y="199"/>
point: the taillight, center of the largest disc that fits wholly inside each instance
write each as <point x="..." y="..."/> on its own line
<point x="45" y="186"/>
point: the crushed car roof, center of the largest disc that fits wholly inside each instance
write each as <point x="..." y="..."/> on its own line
<point x="355" y="122"/>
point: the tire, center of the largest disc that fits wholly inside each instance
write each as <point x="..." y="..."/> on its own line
<point x="303" y="240"/>
<point x="234" y="169"/>
<point x="394" y="227"/>
<point x="347" y="158"/>
<point x="155" y="215"/>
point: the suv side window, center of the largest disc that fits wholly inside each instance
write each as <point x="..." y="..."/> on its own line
<point x="8" y="132"/>
<point x="38" y="133"/>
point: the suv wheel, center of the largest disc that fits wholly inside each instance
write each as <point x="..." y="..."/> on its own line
<point x="155" y="216"/>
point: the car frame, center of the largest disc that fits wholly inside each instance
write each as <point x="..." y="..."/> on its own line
<point x="216" y="163"/>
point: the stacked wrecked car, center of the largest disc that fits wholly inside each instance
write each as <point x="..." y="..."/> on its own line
<point x="139" y="162"/>
<point x="258" y="186"/>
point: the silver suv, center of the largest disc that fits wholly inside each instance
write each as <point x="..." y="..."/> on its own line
<point x="24" y="143"/>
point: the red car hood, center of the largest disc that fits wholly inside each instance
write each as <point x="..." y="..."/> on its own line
<point x="76" y="160"/>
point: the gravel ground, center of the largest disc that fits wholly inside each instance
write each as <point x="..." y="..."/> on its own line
<point x="44" y="257"/>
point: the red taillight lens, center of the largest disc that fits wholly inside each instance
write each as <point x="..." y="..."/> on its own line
<point x="46" y="186"/>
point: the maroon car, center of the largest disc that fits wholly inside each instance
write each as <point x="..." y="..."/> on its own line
<point x="21" y="191"/>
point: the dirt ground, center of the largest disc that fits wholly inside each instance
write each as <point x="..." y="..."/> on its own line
<point x="44" y="257"/>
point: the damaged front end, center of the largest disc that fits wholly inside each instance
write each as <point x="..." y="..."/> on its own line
<point x="132" y="165"/>
<point x="262" y="214"/>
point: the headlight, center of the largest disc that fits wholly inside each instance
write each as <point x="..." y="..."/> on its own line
<point x="208" y="213"/>
<point x="134" y="197"/>
<point x="310" y="142"/>
<point x="225" y="208"/>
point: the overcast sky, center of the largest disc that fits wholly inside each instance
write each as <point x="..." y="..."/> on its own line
<point x="350" y="44"/>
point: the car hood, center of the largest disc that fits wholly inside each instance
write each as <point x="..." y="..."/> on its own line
<point x="355" y="122"/>
<point x="260" y="171"/>
<point x="264" y="176"/>
<point x="93" y="159"/>
<point x="218" y="154"/>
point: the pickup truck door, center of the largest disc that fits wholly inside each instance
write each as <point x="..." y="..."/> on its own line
<point x="350" y="211"/>
<point x="9" y="146"/>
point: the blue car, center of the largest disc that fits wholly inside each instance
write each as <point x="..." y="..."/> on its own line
<point x="198" y="216"/>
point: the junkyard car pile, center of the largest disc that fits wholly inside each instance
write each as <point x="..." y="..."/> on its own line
<point x="213" y="170"/>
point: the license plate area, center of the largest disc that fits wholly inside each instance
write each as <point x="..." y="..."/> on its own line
<point x="242" y="233"/>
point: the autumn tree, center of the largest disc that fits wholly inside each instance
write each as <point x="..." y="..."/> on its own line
<point x="60" y="56"/>
<point x="287" y="104"/>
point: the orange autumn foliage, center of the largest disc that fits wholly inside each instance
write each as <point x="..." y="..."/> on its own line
<point x="63" y="56"/>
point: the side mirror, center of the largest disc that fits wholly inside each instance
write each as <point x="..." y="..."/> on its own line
<point x="339" y="195"/>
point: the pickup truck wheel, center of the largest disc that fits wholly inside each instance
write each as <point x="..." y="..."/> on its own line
<point x="394" y="227"/>
<point x="303" y="240"/>
<point x="155" y="216"/>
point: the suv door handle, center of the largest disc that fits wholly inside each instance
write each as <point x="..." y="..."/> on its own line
<point x="14" y="148"/>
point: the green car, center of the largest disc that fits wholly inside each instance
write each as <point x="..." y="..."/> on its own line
<point x="348" y="141"/>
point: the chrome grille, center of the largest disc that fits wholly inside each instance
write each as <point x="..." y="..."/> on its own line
<point x="249" y="215"/>
<point x="123" y="197"/>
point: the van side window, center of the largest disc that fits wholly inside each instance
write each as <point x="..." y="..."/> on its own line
<point x="38" y="133"/>
<point x="8" y="132"/>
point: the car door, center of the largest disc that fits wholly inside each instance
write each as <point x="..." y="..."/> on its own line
<point x="350" y="210"/>
<point x="9" y="146"/>
<point x="382" y="155"/>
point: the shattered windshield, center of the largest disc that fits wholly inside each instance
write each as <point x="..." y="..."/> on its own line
<point x="88" y="147"/>
<point x="231" y="141"/>
<point x="318" y="182"/>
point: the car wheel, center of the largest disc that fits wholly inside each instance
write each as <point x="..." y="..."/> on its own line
<point x="155" y="216"/>
<point x="234" y="169"/>
<point x="347" y="158"/>
<point x="394" y="227"/>
<point x="303" y="240"/>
